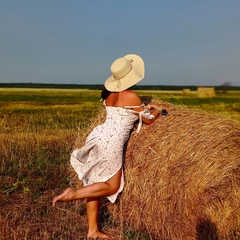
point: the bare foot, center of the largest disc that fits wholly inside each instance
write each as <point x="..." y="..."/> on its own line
<point x="98" y="235"/>
<point x="64" y="197"/>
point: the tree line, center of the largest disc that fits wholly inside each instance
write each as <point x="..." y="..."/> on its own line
<point x="100" y="86"/>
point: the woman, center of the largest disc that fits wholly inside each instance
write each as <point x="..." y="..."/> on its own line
<point x="99" y="162"/>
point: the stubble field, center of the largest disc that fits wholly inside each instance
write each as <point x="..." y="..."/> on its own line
<point x="38" y="128"/>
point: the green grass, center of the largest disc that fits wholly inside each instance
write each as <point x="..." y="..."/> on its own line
<point x="38" y="110"/>
<point x="37" y="131"/>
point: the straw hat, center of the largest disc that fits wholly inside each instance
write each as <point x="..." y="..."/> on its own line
<point x="126" y="72"/>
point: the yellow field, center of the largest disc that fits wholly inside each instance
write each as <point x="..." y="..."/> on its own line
<point x="38" y="128"/>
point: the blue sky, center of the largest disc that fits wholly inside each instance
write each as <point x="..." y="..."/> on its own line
<point x="183" y="42"/>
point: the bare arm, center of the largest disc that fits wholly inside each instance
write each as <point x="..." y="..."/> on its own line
<point x="155" y="111"/>
<point x="129" y="98"/>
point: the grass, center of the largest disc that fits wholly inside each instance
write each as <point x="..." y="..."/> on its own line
<point x="37" y="132"/>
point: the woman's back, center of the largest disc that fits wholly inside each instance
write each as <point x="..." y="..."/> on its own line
<point x="122" y="99"/>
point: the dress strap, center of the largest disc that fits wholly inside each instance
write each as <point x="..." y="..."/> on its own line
<point x="140" y="122"/>
<point x="140" y="115"/>
<point x="127" y="107"/>
<point x="146" y="114"/>
<point x="135" y="106"/>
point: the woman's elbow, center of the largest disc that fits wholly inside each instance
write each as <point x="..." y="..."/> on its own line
<point x="147" y="122"/>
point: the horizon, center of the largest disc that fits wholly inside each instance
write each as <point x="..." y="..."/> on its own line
<point x="100" y="85"/>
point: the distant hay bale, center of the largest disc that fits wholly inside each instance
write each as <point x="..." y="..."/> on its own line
<point x="206" y="92"/>
<point x="186" y="91"/>
<point x="182" y="178"/>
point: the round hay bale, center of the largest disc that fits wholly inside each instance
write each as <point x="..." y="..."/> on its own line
<point x="186" y="91"/>
<point x="182" y="178"/>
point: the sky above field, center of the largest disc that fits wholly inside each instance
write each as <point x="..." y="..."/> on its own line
<point x="183" y="42"/>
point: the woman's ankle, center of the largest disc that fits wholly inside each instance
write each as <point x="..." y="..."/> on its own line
<point x="92" y="232"/>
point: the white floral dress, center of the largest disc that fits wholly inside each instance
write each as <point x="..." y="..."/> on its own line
<point x="102" y="155"/>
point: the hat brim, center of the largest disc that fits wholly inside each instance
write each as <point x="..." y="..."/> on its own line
<point x="134" y="76"/>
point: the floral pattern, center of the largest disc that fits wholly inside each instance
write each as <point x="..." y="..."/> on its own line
<point x="102" y="155"/>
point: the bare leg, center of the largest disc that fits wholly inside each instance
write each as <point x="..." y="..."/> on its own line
<point x="92" y="191"/>
<point x="92" y="213"/>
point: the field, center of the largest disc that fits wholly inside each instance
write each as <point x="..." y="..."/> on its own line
<point x="38" y="128"/>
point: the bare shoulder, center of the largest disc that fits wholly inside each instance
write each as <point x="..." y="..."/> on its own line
<point x="130" y="98"/>
<point x="128" y="93"/>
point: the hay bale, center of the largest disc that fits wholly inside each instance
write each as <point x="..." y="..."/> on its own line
<point x="186" y="91"/>
<point x="182" y="178"/>
<point x="206" y="92"/>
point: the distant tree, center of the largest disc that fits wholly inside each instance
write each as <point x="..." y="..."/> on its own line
<point x="226" y="84"/>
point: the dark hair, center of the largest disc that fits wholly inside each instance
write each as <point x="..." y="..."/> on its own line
<point x="105" y="93"/>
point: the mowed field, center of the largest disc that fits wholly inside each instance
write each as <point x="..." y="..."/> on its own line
<point x="38" y="128"/>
